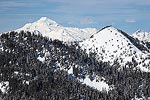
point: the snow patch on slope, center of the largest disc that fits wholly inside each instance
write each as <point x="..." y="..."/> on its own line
<point x="4" y="86"/>
<point x="96" y="83"/>
<point x="99" y="85"/>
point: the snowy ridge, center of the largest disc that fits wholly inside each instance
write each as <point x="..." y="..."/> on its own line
<point x="110" y="45"/>
<point x="50" y="28"/>
<point x="142" y="35"/>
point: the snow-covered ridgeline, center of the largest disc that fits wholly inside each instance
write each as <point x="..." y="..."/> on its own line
<point x="51" y="29"/>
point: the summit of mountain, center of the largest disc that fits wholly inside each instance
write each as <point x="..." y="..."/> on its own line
<point x="48" y="27"/>
<point x="111" y="44"/>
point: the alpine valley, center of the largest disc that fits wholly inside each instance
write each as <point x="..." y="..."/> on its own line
<point x="44" y="60"/>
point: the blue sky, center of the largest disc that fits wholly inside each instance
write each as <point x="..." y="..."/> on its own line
<point x="128" y="15"/>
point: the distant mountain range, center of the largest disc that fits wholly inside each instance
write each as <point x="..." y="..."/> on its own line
<point x="50" y="28"/>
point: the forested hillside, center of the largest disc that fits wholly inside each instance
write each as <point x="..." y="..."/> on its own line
<point x="33" y="67"/>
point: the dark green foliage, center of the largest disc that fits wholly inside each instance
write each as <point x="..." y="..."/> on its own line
<point x="147" y="44"/>
<point x="31" y="79"/>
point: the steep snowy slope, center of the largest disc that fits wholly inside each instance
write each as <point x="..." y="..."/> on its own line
<point x="142" y="35"/>
<point x="112" y="44"/>
<point x="50" y="28"/>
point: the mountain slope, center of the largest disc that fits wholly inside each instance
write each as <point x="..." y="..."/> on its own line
<point x="50" y="28"/>
<point x="142" y="35"/>
<point x="33" y="67"/>
<point x="57" y="56"/>
<point x="112" y="44"/>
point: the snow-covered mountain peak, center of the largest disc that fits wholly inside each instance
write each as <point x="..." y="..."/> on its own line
<point x="44" y="18"/>
<point x="112" y="44"/>
<point x="109" y="33"/>
<point x="142" y="35"/>
<point x="108" y="30"/>
<point x="52" y="29"/>
<point x="47" y="21"/>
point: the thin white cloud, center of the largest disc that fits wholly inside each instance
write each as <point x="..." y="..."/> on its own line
<point x="11" y="4"/>
<point x="8" y="4"/>
<point x="130" y="20"/>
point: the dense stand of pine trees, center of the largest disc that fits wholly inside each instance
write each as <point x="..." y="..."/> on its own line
<point x="31" y="79"/>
